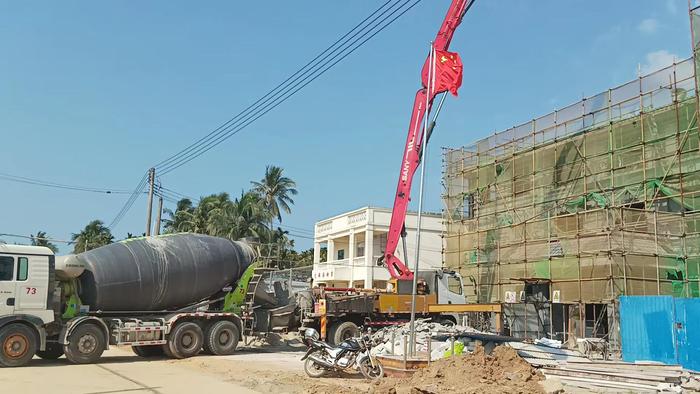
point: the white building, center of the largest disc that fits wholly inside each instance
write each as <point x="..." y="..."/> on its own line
<point x="356" y="239"/>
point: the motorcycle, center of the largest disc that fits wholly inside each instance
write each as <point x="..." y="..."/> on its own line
<point x="321" y="357"/>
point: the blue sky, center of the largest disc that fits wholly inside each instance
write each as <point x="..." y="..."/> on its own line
<point x="94" y="93"/>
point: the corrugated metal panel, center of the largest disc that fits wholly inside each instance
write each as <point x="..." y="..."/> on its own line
<point x="646" y="328"/>
<point x="687" y="329"/>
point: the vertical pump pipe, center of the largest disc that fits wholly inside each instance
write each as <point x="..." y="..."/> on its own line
<point x="431" y="84"/>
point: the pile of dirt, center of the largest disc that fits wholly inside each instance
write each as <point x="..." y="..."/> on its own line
<point x="503" y="371"/>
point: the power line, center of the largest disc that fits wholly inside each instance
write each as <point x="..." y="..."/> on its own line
<point x="38" y="182"/>
<point x="293" y="228"/>
<point x="290" y="87"/>
<point x="275" y="89"/>
<point x="166" y="197"/>
<point x="30" y="237"/>
<point x="276" y="96"/>
<point x="177" y="193"/>
<point x="300" y="235"/>
<point x="130" y="202"/>
<point x="261" y="111"/>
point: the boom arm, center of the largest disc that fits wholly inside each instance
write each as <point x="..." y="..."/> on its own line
<point x="414" y="144"/>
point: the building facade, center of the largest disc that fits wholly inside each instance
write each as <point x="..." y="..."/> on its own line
<point x="347" y="246"/>
<point x="559" y="216"/>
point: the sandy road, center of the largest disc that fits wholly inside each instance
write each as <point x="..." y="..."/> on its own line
<point x="247" y="371"/>
<point x="119" y="372"/>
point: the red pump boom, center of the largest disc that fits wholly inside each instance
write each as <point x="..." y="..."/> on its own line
<point x="414" y="141"/>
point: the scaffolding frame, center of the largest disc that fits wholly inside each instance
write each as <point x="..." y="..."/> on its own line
<point x="600" y="198"/>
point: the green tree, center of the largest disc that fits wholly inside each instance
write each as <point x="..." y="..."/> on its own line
<point x="175" y="222"/>
<point x="304" y="258"/>
<point x="276" y="190"/>
<point x="244" y="217"/>
<point x="219" y="216"/>
<point x="41" y="239"/>
<point x="94" y="235"/>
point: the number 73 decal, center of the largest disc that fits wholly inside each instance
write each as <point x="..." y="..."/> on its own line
<point x="31" y="290"/>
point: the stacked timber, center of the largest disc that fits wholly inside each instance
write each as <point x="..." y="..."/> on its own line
<point x="622" y="376"/>
<point x="573" y="369"/>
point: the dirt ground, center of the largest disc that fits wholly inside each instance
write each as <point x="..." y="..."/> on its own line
<point x="260" y="368"/>
<point x="503" y="371"/>
<point x="275" y="368"/>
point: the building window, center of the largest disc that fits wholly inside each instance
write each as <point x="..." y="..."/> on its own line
<point x="360" y="249"/>
<point x="380" y="243"/>
<point x="468" y="206"/>
<point x="7" y="268"/>
<point x="341" y="254"/>
<point x="22" y="268"/>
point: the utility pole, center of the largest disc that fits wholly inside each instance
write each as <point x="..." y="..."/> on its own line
<point x="151" y="183"/>
<point x="160" y="211"/>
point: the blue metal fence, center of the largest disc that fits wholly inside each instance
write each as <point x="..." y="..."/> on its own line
<point x="661" y="328"/>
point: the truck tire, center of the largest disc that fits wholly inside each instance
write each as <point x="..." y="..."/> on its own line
<point x="53" y="351"/>
<point x="221" y="338"/>
<point x="85" y="344"/>
<point x="18" y="343"/>
<point x="342" y="331"/>
<point x="148" y="351"/>
<point x="186" y="340"/>
<point x="166" y="350"/>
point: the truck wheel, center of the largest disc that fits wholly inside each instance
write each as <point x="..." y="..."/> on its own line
<point x="148" y="351"/>
<point x="221" y="338"/>
<point x="53" y="351"/>
<point x="186" y="340"/>
<point x="166" y="350"/>
<point x="85" y="344"/>
<point x="342" y="331"/>
<point x="18" y="345"/>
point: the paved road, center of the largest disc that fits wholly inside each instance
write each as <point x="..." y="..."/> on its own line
<point x="119" y="372"/>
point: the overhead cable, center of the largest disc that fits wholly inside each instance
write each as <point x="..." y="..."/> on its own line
<point x="323" y="62"/>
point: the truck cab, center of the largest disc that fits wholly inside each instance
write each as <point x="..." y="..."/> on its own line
<point x="450" y="289"/>
<point x="26" y="291"/>
<point x="444" y="286"/>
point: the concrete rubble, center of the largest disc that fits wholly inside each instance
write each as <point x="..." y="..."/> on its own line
<point x="426" y="330"/>
<point x="564" y="369"/>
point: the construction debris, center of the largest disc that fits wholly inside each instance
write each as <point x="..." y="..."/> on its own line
<point x="503" y="371"/>
<point x="645" y="377"/>
<point x="572" y="369"/>
<point x="393" y="339"/>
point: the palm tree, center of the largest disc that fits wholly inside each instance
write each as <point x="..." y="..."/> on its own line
<point x="176" y="221"/>
<point x="243" y="217"/>
<point x="94" y="235"/>
<point x="276" y="191"/>
<point x="41" y="239"/>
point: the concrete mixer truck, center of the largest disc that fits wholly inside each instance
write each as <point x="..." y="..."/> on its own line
<point x="172" y="295"/>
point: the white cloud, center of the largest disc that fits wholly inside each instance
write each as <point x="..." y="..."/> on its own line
<point x="648" y="26"/>
<point x="657" y="60"/>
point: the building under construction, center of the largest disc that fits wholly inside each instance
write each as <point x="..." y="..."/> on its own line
<point x="559" y="216"/>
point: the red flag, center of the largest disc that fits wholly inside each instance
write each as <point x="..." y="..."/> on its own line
<point x="448" y="72"/>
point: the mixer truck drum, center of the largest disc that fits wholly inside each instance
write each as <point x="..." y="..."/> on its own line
<point x="158" y="273"/>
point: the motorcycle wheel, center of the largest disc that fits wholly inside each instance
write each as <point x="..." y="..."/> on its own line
<point x="314" y="370"/>
<point x="370" y="372"/>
